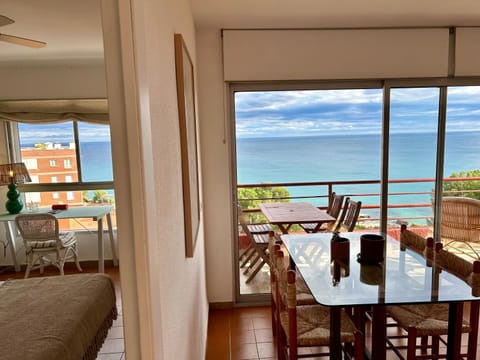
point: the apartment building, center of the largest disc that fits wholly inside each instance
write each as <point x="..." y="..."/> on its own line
<point x="52" y="163"/>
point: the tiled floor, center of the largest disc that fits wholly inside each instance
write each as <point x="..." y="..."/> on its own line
<point x="240" y="333"/>
<point x="113" y="347"/>
<point x="245" y="334"/>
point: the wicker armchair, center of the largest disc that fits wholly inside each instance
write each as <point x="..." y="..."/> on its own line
<point x="44" y="243"/>
<point x="460" y="225"/>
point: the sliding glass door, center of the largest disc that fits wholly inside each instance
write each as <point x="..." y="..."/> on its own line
<point x="396" y="146"/>
<point x="413" y="133"/>
<point x="300" y="146"/>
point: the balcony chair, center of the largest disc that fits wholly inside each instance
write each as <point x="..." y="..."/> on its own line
<point x="349" y="217"/>
<point x="346" y="221"/>
<point x="44" y="243"/>
<point x="334" y="207"/>
<point x="460" y="225"/>
<point x="260" y="228"/>
<point x="300" y="326"/>
<point x="259" y="244"/>
<point x="431" y="321"/>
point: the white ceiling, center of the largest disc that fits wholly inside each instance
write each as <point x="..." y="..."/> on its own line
<point x="72" y="28"/>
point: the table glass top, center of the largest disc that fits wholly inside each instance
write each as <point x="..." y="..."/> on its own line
<point x="403" y="277"/>
<point x="95" y="212"/>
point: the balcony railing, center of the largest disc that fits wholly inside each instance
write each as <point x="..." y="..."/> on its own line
<point x="319" y="192"/>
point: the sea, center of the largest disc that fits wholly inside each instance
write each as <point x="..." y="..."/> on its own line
<point x="333" y="158"/>
<point x="356" y="157"/>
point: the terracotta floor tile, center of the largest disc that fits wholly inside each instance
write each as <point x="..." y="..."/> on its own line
<point x="263" y="335"/>
<point x="243" y="322"/>
<point x="244" y="352"/>
<point x="266" y="349"/>
<point x="262" y="322"/>
<point x="243" y="337"/>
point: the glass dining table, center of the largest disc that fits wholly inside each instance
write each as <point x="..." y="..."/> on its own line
<point x="404" y="277"/>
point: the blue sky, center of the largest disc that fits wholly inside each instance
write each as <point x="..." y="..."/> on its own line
<point x="62" y="132"/>
<point x="331" y="112"/>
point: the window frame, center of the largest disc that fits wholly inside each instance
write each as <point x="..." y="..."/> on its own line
<point x="385" y="84"/>
<point x="14" y="154"/>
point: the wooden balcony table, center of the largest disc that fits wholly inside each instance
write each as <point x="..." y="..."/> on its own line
<point x="284" y="214"/>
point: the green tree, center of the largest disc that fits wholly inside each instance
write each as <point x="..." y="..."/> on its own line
<point x="463" y="188"/>
<point x="249" y="198"/>
<point x="86" y="196"/>
<point x="101" y="197"/>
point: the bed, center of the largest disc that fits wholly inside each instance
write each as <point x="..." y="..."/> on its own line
<point x="56" y="317"/>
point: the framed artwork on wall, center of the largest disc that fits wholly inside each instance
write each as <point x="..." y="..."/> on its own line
<point x="188" y="142"/>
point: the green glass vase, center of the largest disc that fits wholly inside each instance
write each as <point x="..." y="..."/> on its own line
<point x="14" y="204"/>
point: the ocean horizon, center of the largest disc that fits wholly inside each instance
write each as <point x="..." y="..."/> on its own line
<point x="356" y="157"/>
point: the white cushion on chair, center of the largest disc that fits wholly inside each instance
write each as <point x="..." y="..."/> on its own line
<point x="42" y="244"/>
<point x="67" y="238"/>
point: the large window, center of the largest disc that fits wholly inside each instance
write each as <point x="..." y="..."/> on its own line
<point x="69" y="162"/>
<point x="385" y="145"/>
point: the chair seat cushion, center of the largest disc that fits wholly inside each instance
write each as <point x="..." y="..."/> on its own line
<point x="304" y="295"/>
<point x="67" y="238"/>
<point x="42" y="244"/>
<point x="427" y="319"/>
<point x="313" y="326"/>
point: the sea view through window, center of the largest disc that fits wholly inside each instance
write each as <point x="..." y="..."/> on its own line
<point x="332" y="135"/>
<point x="70" y="160"/>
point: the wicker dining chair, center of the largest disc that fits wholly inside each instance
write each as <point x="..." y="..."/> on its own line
<point x="44" y="243"/>
<point x="300" y="326"/>
<point x="431" y="321"/>
<point x="278" y="263"/>
<point x="334" y="208"/>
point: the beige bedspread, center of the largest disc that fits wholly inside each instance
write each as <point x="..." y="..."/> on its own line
<point x="56" y="317"/>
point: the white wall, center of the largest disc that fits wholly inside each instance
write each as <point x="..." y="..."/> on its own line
<point x="174" y="286"/>
<point x="215" y="166"/>
<point x="164" y="297"/>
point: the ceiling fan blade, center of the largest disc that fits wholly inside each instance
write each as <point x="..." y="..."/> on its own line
<point x="5" y="20"/>
<point x="22" y="41"/>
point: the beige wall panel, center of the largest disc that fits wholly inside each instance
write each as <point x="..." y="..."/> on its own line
<point x="467" y="54"/>
<point x="53" y="82"/>
<point x="334" y="54"/>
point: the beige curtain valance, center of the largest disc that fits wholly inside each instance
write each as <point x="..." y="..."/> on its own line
<point x="48" y="111"/>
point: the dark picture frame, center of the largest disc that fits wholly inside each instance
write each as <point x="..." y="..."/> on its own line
<point x="188" y="142"/>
